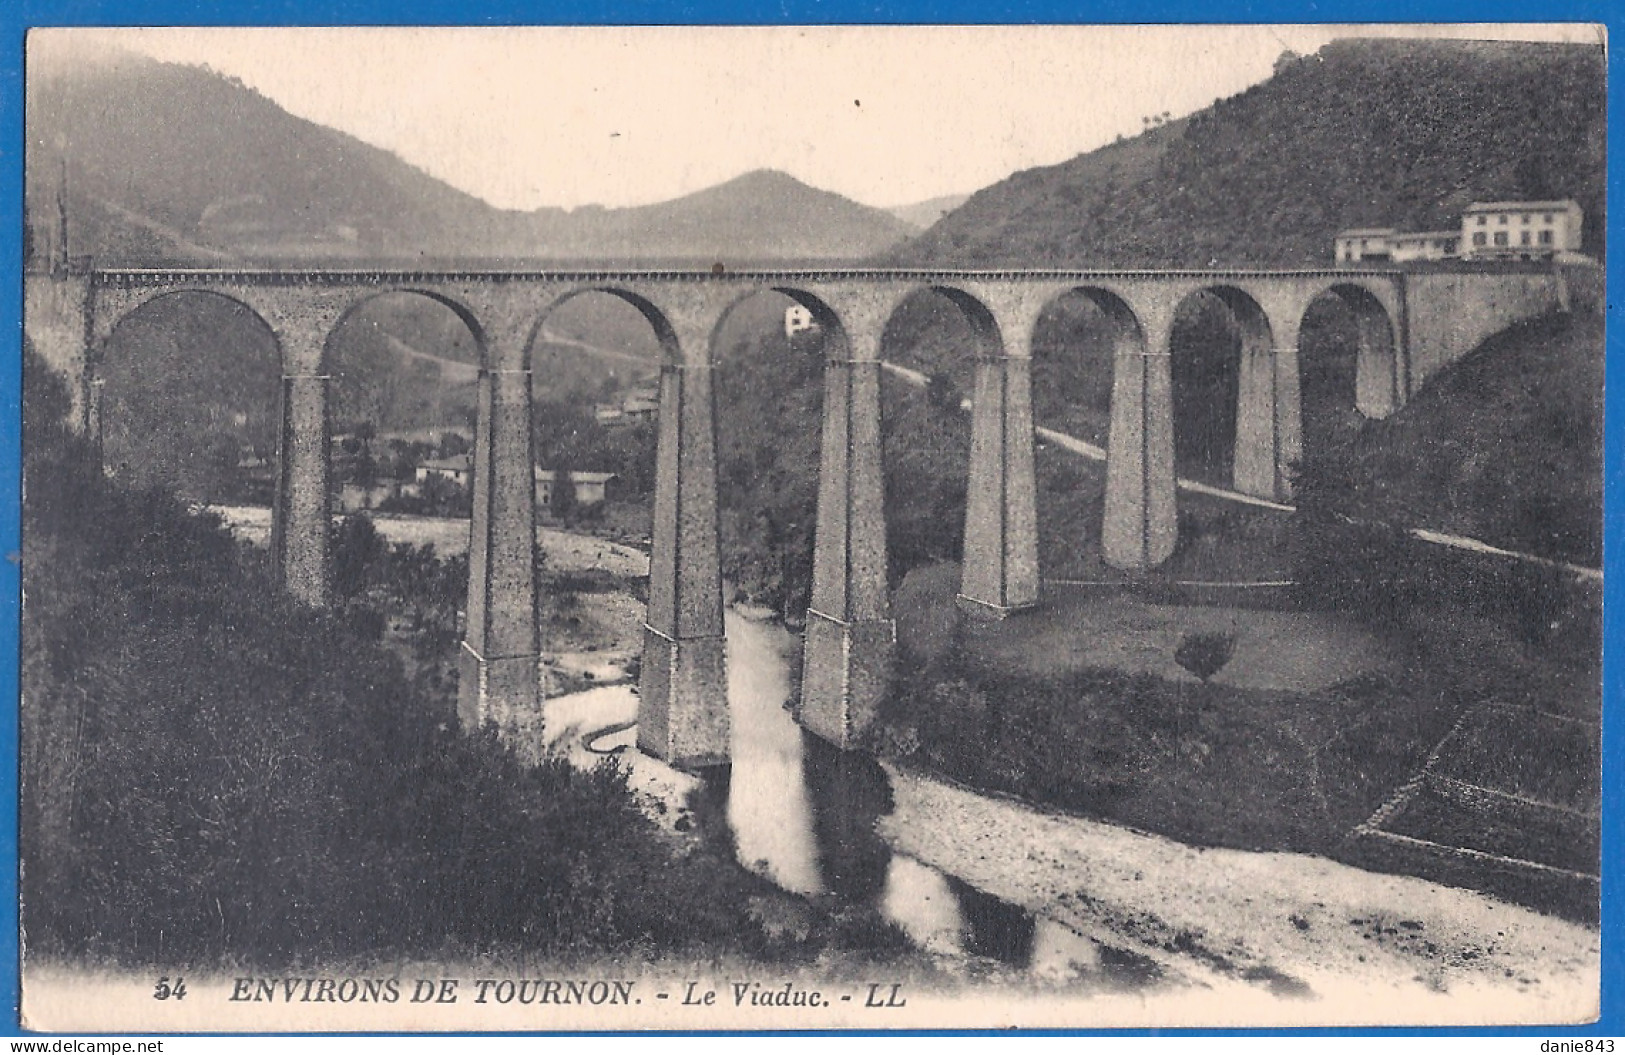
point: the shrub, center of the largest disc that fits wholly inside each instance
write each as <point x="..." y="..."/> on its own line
<point x="358" y="552"/>
<point x="1205" y="654"/>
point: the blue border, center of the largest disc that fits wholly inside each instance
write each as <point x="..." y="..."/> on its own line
<point x="16" y="19"/>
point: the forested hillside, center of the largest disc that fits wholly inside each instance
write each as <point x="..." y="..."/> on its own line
<point x="166" y="164"/>
<point x="1363" y="133"/>
<point x="170" y="164"/>
<point x="1505" y="445"/>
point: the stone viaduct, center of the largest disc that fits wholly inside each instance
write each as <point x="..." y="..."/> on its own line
<point x="1410" y="325"/>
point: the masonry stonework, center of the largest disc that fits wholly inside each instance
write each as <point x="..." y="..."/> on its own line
<point x="683" y="689"/>
<point x="1412" y="325"/>
<point x="1449" y="314"/>
<point x="1000" y="566"/>
<point x="55" y="317"/>
<point x="847" y="653"/>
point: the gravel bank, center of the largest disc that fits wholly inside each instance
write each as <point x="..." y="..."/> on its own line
<point x="1323" y="942"/>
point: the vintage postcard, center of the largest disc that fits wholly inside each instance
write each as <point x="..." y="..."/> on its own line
<point x="812" y="527"/>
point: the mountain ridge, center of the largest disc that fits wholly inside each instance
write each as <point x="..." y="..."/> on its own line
<point x="174" y="164"/>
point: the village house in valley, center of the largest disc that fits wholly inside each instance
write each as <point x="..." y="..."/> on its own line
<point x="1504" y="230"/>
<point x="591" y="487"/>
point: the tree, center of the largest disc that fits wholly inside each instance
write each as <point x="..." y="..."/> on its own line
<point x="358" y="550"/>
<point x="46" y="402"/>
<point x="453" y="444"/>
<point x="377" y="828"/>
<point x="1205" y="654"/>
<point x="443" y="496"/>
<point x="562" y="502"/>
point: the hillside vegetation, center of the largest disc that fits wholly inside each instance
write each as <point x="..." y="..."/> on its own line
<point x="759" y="217"/>
<point x="312" y="798"/>
<point x="166" y="162"/>
<point x="1364" y="133"/>
<point x="1505" y="445"/>
<point x="169" y="164"/>
<point x="215" y="776"/>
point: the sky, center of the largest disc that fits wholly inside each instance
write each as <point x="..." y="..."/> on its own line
<point x="616" y="116"/>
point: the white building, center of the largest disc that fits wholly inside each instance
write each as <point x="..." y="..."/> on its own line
<point x="591" y="488"/>
<point x="1365" y="243"/>
<point x="1490" y="230"/>
<point x="642" y="404"/>
<point x="457" y="469"/>
<point x="1520" y="230"/>
<point x="1423" y="245"/>
<point x="797" y="319"/>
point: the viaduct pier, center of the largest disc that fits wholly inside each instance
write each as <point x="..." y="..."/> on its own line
<point x="1410" y="325"/>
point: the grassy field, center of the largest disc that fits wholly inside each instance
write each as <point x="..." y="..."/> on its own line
<point x="1081" y="705"/>
<point x="1079" y="629"/>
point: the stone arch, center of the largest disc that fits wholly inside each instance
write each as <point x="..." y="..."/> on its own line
<point x="379" y="384"/>
<point x="984" y="325"/>
<point x="1129" y="334"/>
<point x="1250" y="315"/>
<point x="645" y="373"/>
<point x="945" y="469"/>
<point x="1224" y="402"/>
<point x="107" y="327"/>
<point x="461" y="310"/>
<point x="597" y="356"/>
<point x="1379" y="368"/>
<point x="205" y="424"/>
<point x="964" y="326"/>
<point x="1057" y="381"/>
<point x="989" y="341"/>
<point x="1080" y="336"/>
<point x="658" y="319"/>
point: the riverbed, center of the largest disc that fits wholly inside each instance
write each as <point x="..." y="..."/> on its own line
<point x="1083" y="908"/>
<point x="566" y="550"/>
<point x="1099" y="924"/>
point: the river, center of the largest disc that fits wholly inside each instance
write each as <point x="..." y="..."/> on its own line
<point x="1089" y="908"/>
<point x="805" y="815"/>
<point x="1082" y="906"/>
